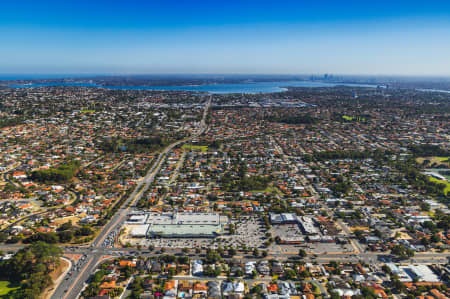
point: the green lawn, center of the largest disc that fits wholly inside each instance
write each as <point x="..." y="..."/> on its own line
<point x="351" y="118"/>
<point x="6" y="287"/>
<point x="442" y="159"/>
<point x="87" y="111"/>
<point x="447" y="188"/>
<point x="267" y="190"/>
<point x="434" y="160"/>
<point x="202" y="148"/>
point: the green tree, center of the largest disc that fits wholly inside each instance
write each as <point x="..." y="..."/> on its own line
<point x="65" y="236"/>
<point x="255" y="252"/>
<point x="31" y="266"/>
<point x="231" y="252"/>
<point x="290" y="274"/>
<point x="402" y="251"/>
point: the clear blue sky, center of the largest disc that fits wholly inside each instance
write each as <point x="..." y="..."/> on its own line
<point x="293" y="37"/>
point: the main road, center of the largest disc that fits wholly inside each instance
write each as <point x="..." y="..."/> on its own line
<point x="73" y="284"/>
<point x="375" y="257"/>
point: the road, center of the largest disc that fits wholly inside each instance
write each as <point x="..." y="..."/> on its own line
<point x="372" y="257"/>
<point x="6" y="179"/>
<point x="177" y="168"/>
<point x="73" y="284"/>
<point x="16" y="222"/>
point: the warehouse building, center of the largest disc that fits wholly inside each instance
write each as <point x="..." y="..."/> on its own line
<point x="138" y="218"/>
<point x="177" y="225"/>
<point x="139" y="231"/>
<point x="284" y="218"/>
<point x="307" y="225"/>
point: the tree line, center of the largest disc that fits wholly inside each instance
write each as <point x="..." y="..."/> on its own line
<point x="138" y="145"/>
<point x="294" y="119"/>
<point x="428" y="150"/>
<point x="30" y="267"/>
<point x="61" y="174"/>
<point x="354" y="155"/>
<point x="10" y="122"/>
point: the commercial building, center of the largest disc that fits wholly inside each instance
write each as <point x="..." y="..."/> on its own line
<point x="307" y="226"/>
<point x="137" y="219"/>
<point x="177" y="225"/>
<point x="284" y="218"/>
<point x="139" y="231"/>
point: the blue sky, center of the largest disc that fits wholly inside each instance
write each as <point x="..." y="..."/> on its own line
<point x="283" y="37"/>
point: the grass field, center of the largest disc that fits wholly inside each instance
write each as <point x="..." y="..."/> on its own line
<point x="442" y="159"/>
<point x="437" y="160"/>
<point x="267" y="190"/>
<point x="6" y="287"/>
<point x="87" y="111"/>
<point x="351" y="118"/>
<point x="202" y="148"/>
<point x="447" y="188"/>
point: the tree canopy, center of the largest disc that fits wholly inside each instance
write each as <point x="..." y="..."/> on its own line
<point x="61" y="174"/>
<point x="31" y="267"/>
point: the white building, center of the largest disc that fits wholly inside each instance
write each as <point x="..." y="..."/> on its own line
<point x="197" y="267"/>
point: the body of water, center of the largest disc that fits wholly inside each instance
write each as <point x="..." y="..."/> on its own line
<point x="254" y="87"/>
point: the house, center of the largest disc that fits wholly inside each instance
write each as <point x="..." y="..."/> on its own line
<point x="239" y="287"/>
<point x="250" y="267"/>
<point x="148" y="284"/>
<point x="184" y="289"/>
<point x="127" y="263"/>
<point x="197" y="267"/>
<point x="277" y="268"/>
<point x="200" y="288"/>
<point x="438" y="295"/>
<point x="263" y="267"/>
<point x="156" y="267"/>
<point x="170" y="288"/>
<point x="213" y="289"/>
<point x="19" y="175"/>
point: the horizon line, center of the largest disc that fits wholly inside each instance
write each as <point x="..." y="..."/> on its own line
<point x="225" y="74"/>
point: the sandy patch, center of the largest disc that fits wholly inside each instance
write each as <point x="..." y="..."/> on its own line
<point x="355" y="228"/>
<point x="74" y="219"/>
